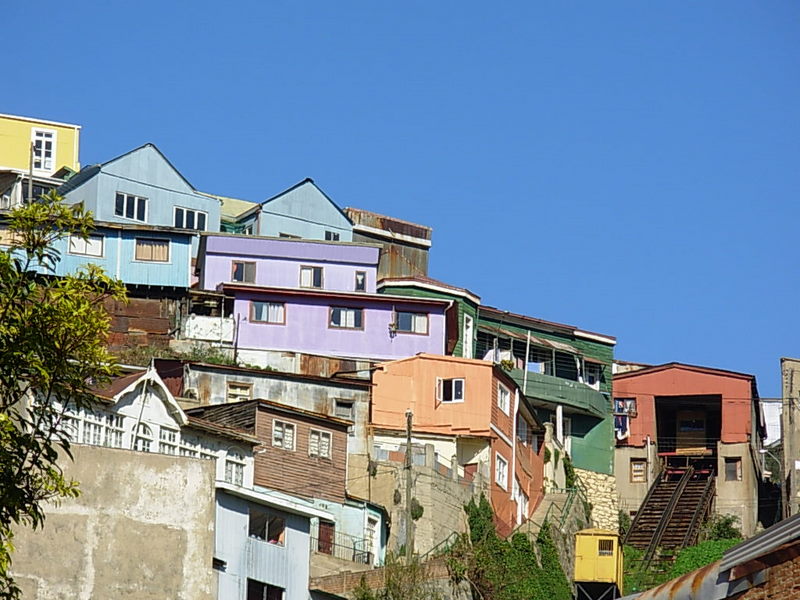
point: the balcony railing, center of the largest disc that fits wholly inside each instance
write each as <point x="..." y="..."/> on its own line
<point x="563" y="391"/>
<point x="344" y="547"/>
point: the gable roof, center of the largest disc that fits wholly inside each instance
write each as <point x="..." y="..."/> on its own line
<point x="87" y="173"/>
<point x="128" y="383"/>
<point x="685" y="367"/>
<point x="306" y="181"/>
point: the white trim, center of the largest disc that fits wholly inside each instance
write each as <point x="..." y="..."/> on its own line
<point x="272" y="501"/>
<point x="194" y="210"/>
<point x="54" y="150"/>
<point x="392" y="236"/>
<point x="597" y="337"/>
<point x="497" y="457"/>
<point x="321" y="432"/>
<point x="136" y="206"/>
<point x="428" y="286"/>
<point x="152" y="376"/>
<point x="507" y="409"/>
<point x="32" y="120"/>
<point x="282" y="445"/>
<point x="501" y="435"/>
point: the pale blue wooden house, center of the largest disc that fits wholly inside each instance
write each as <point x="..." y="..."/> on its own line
<point x="142" y="187"/>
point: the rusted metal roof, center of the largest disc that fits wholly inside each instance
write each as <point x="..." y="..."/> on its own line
<point x="534" y="340"/>
<point x="371" y="219"/>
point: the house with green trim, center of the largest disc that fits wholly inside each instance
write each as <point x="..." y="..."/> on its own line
<point x="461" y="323"/>
<point x="565" y="372"/>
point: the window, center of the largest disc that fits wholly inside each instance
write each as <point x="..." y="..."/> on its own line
<point x="449" y="390"/>
<point x="263" y="591"/>
<point x="311" y="277"/>
<point x="144" y="437"/>
<point x="189" y="446"/>
<point x="44" y="149"/>
<point x="409" y="322"/>
<point x="268" y="312"/>
<point x="638" y="470"/>
<point x="319" y="444"/>
<point x="361" y="281"/>
<point x="605" y="547"/>
<point x="131" y="207"/>
<point x="167" y="441"/>
<point x="93" y="246"/>
<point x="501" y="471"/>
<point x="331" y="236"/>
<point x="283" y="435"/>
<point x="343" y="409"/>
<point x="114" y="431"/>
<point x="503" y="398"/>
<point x="234" y="467"/>
<point x="152" y="250"/>
<point x="523" y="431"/>
<point x="243" y="272"/>
<point x="625" y="406"/>
<point x="290" y="236"/>
<point x="591" y="375"/>
<point x="239" y="392"/>
<point x="247" y="230"/>
<point x="733" y="468"/>
<point x="187" y="218"/>
<point x="93" y="430"/>
<point x="265" y="526"/>
<point x="347" y="318"/>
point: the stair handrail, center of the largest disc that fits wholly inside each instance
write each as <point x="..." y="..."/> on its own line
<point x="650" y="492"/>
<point x="666" y="517"/>
<point x="700" y="512"/>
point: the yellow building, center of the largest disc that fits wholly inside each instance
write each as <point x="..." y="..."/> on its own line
<point x="598" y="564"/>
<point x="49" y="148"/>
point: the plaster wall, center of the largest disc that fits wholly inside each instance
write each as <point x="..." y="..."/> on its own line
<point x="142" y="528"/>
<point x="631" y="495"/>
<point x="738" y="498"/>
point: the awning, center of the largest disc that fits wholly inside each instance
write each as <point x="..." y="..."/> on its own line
<point x="563" y="347"/>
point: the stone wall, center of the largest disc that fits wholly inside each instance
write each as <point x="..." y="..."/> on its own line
<point x="142" y="528"/>
<point x="601" y="492"/>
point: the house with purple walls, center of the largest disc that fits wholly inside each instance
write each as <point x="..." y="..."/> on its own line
<point x="287" y="262"/>
<point x="313" y="297"/>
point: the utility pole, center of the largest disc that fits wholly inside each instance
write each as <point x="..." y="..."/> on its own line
<point x="409" y="520"/>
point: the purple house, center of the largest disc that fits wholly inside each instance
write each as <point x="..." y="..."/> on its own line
<point x="317" y="297"/>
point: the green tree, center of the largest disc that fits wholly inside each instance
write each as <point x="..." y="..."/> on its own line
<point x="52" y="352"/>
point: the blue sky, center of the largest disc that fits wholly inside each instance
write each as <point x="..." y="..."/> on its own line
<point x="627" y="167"/>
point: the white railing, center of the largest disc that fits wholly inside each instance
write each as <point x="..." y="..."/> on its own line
<point x="210" y="329"/>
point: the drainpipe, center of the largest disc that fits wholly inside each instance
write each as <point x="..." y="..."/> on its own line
<point x="525" y="366"/>
<point x="648" y="461"/>
<point x="514" y="443"/>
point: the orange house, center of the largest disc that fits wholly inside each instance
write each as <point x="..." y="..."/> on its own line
<point x="673" y="416"/>
<point x="474" y="415"/>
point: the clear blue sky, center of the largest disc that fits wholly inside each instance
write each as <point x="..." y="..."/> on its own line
<point x="631" y="168"/>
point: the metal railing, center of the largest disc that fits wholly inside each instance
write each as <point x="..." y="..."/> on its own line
<point x="344" y="547"/>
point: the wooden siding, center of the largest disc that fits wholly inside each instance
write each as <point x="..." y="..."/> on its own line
<point x="294" y="471"/>
<point x="239" y="414"/>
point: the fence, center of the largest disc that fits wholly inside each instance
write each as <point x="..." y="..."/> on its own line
<point x="343" y="546"/>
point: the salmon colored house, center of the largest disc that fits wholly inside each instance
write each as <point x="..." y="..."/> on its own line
<point x="674" y="416"/>
<point x="475" y="416"/>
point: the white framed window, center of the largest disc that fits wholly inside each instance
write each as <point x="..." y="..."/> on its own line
<point x="450" y="390"/>
<point x="523" y="431"/>
<point x="189" y="218"/>
<point x="114" y="431"/>
<point x="500" y="470"/>
<point x="44" y="149"/>
<point x="591" y="375"/>
<point x="319" y="443"/>
<point x="70" y="427"/>
<point x="131" y="207"/>
<point x="151" y="250"/>
<point x="234" y="467"/>
<point x="238" y="391"/>
<point x="283" y="435"/>
<point x="92" y="246"/>
<point x="167" y="440"/>
<point x="143" y="439"/>
<point x="346" y="318"/>
<point x="92" y="429"/>
<point x="311" y="277"/>
<point x="248" y="230"/>
<point x="361" y="281"/>
<point x="638" y="470"/>
<point x="503" y="398"/>
<point x="411" y="322"/>
<point x="273" y="313"/>
<point x="189" y="446"/>
<point x="331" y="236"/>
<point x="243" y="271"/>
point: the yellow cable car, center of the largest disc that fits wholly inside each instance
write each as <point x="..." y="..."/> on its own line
<point x="598" y="565"/>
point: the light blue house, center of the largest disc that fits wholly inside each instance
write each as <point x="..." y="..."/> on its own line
<point x="302" y="211"/>
<point x="262" y="544"/>
<point x="142" y="187"/>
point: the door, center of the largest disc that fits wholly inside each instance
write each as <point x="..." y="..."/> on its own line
<point x="469" y="337"/>
<point x="325" y="540"/>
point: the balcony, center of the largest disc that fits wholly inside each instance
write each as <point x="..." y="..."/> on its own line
<point x="556" y="390"/>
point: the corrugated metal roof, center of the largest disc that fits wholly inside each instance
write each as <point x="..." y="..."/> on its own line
<point x="771" y="538"/>
<point x="534" y="340"/>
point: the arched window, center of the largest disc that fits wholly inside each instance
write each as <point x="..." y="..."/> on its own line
<point x="234" y="466"/>
<point x="144" y="438"/>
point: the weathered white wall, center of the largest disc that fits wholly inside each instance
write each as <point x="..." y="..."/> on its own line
<point x="142" y="528"/>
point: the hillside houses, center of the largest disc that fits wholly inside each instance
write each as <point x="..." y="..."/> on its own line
<point x="295" y="365"/>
